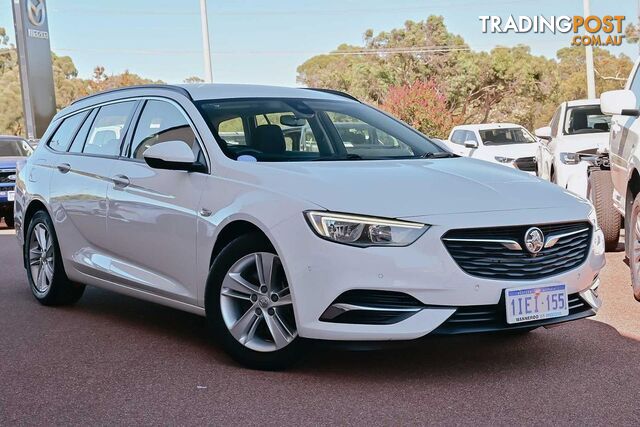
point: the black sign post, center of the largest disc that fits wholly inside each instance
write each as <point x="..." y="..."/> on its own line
<point x="36" y="72"/>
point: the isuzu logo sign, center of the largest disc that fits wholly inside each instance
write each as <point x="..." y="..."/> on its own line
<point x="36" y="12"/>
<point x="534" y="240"/>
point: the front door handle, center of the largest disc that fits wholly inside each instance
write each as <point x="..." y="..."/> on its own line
<point x="121" y="181"/>
<point x="64" y="167"/>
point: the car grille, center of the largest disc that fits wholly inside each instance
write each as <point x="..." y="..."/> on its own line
<point x="527" y="164"/>
<point x="4" y="176"/>
<point x="481" y="252"/>
<point x="485" y="318"/>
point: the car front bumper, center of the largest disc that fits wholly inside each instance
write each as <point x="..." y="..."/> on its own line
<point x="573" y="177"/>
<point x="320" y="271"/>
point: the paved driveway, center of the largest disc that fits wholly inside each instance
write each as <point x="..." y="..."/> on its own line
<point x="113" y="360"/>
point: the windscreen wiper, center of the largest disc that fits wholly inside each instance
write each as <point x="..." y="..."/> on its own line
<point x="349" y="156"/>
<point x="439" y="155"/>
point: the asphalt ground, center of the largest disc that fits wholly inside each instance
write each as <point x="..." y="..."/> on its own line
<point x="114" y="360"/>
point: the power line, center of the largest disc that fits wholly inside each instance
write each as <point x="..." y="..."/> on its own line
<point x="325" y="11"/>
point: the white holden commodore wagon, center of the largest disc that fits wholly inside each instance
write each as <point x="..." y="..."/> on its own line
<point x="284" y="215"/>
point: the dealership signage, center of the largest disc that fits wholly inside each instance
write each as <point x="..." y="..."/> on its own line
<point x="34" y="57"/>
<point x="610" y="25"/>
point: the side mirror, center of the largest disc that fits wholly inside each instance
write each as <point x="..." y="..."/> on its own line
<point x="471" y="144"/>
<point x="544" y="133"/>
<point x="621" y="102"/>
<point x="172" y="155"/>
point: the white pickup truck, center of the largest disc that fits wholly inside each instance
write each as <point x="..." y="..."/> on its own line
<point x="574" y="153"/>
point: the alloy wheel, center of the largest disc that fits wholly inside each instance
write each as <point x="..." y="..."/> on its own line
<point x="41" y="260"/>
<point x="256" y="304"/>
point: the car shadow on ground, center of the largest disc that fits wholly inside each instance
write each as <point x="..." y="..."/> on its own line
<point x="430" y="357"/>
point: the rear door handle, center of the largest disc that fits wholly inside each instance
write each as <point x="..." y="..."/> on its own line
<point x="64" y="167"/>
<point x="121" y="181"/>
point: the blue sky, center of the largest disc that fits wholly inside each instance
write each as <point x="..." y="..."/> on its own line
<point x="264" y="41"/>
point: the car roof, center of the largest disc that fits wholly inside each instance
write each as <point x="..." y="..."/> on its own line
<point x="231" y="91"/>
<point x="11" y="138"/>
<point x="485" y="126"/>
<point x="213" y="91"/>
<point x="580" y="102"/>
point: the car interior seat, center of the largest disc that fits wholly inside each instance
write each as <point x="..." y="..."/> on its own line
<point x="269" y="139"/>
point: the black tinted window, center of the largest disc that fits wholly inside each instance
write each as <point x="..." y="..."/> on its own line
<point x="62" y="137"/>
<point x="586" y="119"/>
<point x="107" y="130"/>
<point x="159" y="122"/>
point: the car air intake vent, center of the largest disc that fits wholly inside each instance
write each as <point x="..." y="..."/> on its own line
<point x="500" y="253"/>
<point x="371" y="307"/>
<point x="527" y="164"/>
<point x="388" y="299"/>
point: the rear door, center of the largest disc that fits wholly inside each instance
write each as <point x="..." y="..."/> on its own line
<point x="153" y="213"/>
<point x="79" y="185"/>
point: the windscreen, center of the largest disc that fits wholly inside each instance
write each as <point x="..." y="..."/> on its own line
<point x="586" y="119"/>
<point x="506" y="136"/>
<point x="281" y="130"/>
<point x="14" y="148"/>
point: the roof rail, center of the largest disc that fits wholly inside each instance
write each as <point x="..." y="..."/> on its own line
<point x="179" y="89"/>
<point x="334" y="92"/>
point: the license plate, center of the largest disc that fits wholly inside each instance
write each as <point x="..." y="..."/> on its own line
<point x="11" y="196"/>
<point x="536" y="303"/>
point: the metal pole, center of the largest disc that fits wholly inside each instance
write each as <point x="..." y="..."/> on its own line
<point x="208" y="70"/>
<point x="591" y="79"/>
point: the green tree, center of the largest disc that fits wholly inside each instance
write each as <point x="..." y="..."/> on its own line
<point x="68" y="86"/>
<point x="505" y="84"/>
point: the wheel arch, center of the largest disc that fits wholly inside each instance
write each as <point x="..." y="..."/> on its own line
<point x="34" y="206"/>
<point x="633" y="186"/>
<point x="231" y="231"/>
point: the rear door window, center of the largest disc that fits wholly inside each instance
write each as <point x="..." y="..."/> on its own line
<point x="61" y="139"/>
<point x="81" y="135"/>
<point x="107" y="131"/>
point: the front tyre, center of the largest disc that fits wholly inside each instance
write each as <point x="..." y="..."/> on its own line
<point x="47" y="279"/>
<point x="632" y="233"/>
<point x="249" y="306"/>
<point x="599" y="192"/>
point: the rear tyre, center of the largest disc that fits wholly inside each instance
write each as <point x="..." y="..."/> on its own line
<point x="47" y="279"/>
<point x="600" y="193"/>
<point x="249" y="307"/>
<point x="632" y="233"/>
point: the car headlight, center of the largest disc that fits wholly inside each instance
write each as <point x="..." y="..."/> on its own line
<point x="504" y="159"/>
<point x="570" y="158"/>
<point x="363" y="231"/>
